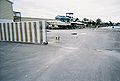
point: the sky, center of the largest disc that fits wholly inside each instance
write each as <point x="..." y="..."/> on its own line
<point x="107" y="10"/>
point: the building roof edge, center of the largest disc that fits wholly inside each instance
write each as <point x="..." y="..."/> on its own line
<point x="10" y="1"/>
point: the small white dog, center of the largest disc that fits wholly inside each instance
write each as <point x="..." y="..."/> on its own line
<point x="57" y="37"/>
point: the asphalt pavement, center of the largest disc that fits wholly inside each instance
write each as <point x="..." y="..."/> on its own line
<point x="79" y="55"/>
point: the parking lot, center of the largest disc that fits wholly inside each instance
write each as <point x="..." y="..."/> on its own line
<point x="87" y="55"/>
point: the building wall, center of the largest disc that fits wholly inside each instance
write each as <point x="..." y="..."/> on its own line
<point x="6" y="10"/>
<point x="34" y="19"/>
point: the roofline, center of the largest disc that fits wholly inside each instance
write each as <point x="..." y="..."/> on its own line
<point x="38" y="18"/>
<point x="10" y="1"/>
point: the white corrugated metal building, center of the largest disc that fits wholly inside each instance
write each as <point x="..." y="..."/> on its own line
<point x="6" y="11"/>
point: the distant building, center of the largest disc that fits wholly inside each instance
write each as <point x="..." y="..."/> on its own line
<point x="17" y="16"/>
<point x="35" y="19"/>
<point x="6" y="11"/>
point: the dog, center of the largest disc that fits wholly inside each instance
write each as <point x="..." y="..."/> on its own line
<point x="57" y="38"/>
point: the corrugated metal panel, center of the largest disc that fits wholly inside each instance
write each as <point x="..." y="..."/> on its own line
<point x="27" y="32"/>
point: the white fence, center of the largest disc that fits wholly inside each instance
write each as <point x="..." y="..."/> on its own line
<point x="27" y="32"/>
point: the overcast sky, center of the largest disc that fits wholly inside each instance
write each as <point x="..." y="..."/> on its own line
<point x="107" y="10"/>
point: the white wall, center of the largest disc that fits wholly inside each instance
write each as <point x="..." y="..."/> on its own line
<point x="6" y="20"/>
<point x="6" y="10"/>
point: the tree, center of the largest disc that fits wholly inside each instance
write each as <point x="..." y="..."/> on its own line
<point x="98" y="22"/>
<point x="93" y="23"/>
<point x="85" y="19"/>
<point x="110" y="23"/>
